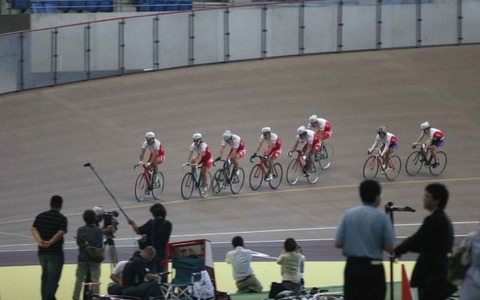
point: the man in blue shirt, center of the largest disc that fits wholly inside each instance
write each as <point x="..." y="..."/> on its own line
<point x="364" y="233"/>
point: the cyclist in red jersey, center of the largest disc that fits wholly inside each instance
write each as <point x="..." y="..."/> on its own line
<point x="203" y="156"/>
<point x="435" y="140"/>
<point x="237" y="148"/>
<point x="273" y="150"/>
<point x="311" y="145"/>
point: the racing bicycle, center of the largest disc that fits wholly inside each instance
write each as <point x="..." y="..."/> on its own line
<point x="192" y="180"/>
<point x="144" y="185"/>
<point x="259" y="173"/>
<point x="419" y="158"/>
<point x="296" y="169"/>
<point x="375" y="162"/>
<point x="223" y="178"/>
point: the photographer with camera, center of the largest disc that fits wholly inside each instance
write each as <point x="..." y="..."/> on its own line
<point x="155" y="232"/>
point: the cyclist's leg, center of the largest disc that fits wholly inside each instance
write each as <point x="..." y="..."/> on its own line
<point x="156" y="163"/>
<point x="240" y="153"/>
<point x="203" y="175"/>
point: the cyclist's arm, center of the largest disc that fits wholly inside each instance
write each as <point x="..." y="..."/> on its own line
<point x="153" y="157"/>
<point x="295" y="145"/>
<point x="308" y="150"/>
<point x="142" y="154"/>
<point x="199" y="157"/>
<point x="420" y="138"/>
<point x="222" y="148"/>
<point x="189" y="159"/>
<point x="260" y="143"/>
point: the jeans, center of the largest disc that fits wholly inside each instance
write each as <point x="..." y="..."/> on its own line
<point x="83" y="268"/>
<point x="52" y="265"/>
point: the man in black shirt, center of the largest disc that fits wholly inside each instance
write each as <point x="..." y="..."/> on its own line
<point x="137" y="279"/>
<point x="48" y="230"/>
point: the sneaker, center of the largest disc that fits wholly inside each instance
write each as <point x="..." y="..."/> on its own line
<point x="434" y="165"/>
<point x="266" y="176"/>
<point x="384" y="166"/>
<point x="269" y="177"/>
<point x="382" y="171"/>
<point x="388" y="169"/>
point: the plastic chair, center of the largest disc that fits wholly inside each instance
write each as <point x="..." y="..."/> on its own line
<point x="187" y="271"/>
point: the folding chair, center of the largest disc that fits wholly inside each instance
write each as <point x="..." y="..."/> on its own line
<point x="187" y="270"/>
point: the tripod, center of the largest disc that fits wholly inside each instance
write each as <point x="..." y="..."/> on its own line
<point x="389" y="209"/>
<point x="112" y="251"/>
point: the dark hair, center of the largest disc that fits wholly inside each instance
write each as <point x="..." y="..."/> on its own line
<point x="439" y="192"/>
<point x="56" y="202"/>
<point x="369" y="190"/>
<point x="89" y="216"/>
<point x="290" y="245"/>
<point x="237" y="241"/>
<point x="158" y="211"/>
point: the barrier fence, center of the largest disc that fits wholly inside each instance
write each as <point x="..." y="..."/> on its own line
<point x="118" y="46"/>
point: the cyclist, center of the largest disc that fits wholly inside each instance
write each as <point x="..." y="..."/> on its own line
<point x="387" y="142"/>
<point x="435" y="139"/>
<point x="157" y="153"/>
<point x="203" y="156"/>
<point x="321" y="126"/>
<point x="311" y="145"/>
<point x="273" y="150"/>
<point x="237" y="148"/>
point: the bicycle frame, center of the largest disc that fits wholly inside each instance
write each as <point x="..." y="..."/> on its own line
<point x="144" y="184"/>
<point x="297" y="164"/>
<point x="376" y="161"/>
<point x="223" y="177"/>
<point x="191" y="180"/>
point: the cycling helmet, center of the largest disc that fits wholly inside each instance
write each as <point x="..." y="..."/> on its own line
<point x="301" y="130"/>
<point x="425" y="125"/>
<point x="266" y="129"/>
<point x="313" y="119"/>
<point x="197" y="136"/>
<point x="149" y="135"/>
<point x="381" y="129"/>
<point x="99" y="211"/>
<point x="227" y="135"/>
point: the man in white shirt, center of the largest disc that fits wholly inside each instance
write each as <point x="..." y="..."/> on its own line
<point x="240" y="259"/>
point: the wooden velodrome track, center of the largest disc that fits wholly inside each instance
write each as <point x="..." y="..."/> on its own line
<point x="48" y="134"/>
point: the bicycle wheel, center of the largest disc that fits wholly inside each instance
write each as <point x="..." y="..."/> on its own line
<point x="158" y="186"/>
<point x="414" y="163"/>
<point x="256" y="177"/>
<point x="325" y="156"/>
<point x="236" y="183"/>
<point x="204" y="188"/>
<point x="396" y="164"/>
<point x="294" y="171"/>
<point x="219" y="181"/>
<point x="441" y="164"/>
<point x="312" y="175"/>
<point x="370" y="168"/>
<point x="141" y="188"/>
<point x="188" y="184"/>
<point x="277" y="176"/>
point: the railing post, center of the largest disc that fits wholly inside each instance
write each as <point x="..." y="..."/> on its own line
<point x="21" y="62"/>
<point x="87" y="50"/>
<point x="226" y="35"/>
<point x="264" y="32"/>
<point x="459" y="22"/>
<point x="340" y="26"/>
<point x="191" y="40"/>
<point x="301" y="28"/>
<point x="379" y="24"/>
<point x="54" y="61"/>
<point x="419" y="23"/>
<point x="121" y="46"/>
<point x="156" y="43"/>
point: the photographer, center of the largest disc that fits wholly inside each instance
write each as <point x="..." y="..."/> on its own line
<point x="156" y="232"/>
<point x="108" y="218"/>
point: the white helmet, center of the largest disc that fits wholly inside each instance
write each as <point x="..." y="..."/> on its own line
<point x="99" y="211"/>
<point x="381" y="129"/>
<point x="227" y="135"/>
<point x="197" y="136"/>
<point x="149" y="135"/>
<point x="301" y="130"/>
<point x="425" y="125"/>
<point x="313" y="119"/>
<point x="266" y="129"/>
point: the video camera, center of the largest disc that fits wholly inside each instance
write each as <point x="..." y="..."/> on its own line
<point x="390" y="207"/>
<point x="110" y="219"/>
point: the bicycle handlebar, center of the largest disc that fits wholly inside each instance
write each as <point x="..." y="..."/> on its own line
<point x="257" y="156"/>
<point x="194" y="166"/>
<point x="225" y="161"/>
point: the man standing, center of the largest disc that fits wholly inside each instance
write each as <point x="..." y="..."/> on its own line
<point x="48" y="230"/>
<point x="364" y="233"/>
<point x="240" y="259"/>
<point x="138" y="280"/>
<point x="433" y="241"/>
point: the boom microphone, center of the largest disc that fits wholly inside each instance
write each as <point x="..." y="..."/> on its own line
<point x="87" y="165"/>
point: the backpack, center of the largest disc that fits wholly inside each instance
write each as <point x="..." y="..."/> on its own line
<point x="460" y="261"/>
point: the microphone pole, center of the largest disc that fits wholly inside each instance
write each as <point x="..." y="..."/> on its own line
<point x="89" y="165"/>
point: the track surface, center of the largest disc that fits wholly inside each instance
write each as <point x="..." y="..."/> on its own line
<point x="48" y="134"/>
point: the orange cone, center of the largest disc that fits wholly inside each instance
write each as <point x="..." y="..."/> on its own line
<point x="406" y="290"/>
